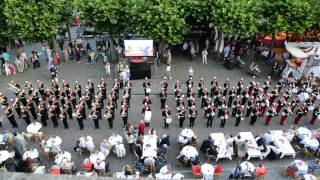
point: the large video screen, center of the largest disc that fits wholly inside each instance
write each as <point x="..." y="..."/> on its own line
<point x="138" y="48"/>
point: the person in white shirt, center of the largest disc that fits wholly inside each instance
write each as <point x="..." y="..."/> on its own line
<point x="168" y="71"/>
<point x="104" y="147"/>
<point x="183" y="140"/>
<point x="190" y="71"/>
<point x="204" y="56"/>
<point x="99" y="165"/>
<point x="120" y="150"/>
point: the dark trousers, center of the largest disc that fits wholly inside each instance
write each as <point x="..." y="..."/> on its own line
<point x="209" y="121"/>
<point x="181" y="120"/>
<point x="43" y="120"/>
<point x="54" y="122"/>
<point x="12" y="121"/>
<point x="248" y="111"/>
<point x="125" y="120"/>
<point x="253" y="120"/>
<point x="192" y="120"/>
<point x="166" y="125"/>
<point x="34" y="114"/>
<point x="27" y="120"/>
<point x="130" y="147"/>
<point x="110" y="121"/>
<point x="238" y="119"/>
<point x="65" y="123"/>
<point x="80" y="122"/>
<point x="163" y="102"/>
<point x="223" y="122"/>
<point x="96" y="123"/>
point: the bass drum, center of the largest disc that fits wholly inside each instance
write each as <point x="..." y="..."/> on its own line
<point x="168" y="120"/>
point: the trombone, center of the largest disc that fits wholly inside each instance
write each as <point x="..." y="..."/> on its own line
<point x="13" y="88"/>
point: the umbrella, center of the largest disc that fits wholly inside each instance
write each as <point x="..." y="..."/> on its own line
<point x="34" y="127"/>
<point x="303" y="96"/>
<point x="300" y="166"/>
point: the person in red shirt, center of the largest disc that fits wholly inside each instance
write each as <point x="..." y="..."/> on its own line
<point x="87" y="165"/>
<point x="141" y="128"/>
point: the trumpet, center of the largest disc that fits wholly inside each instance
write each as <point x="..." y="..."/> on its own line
<point x="13" y="88"/>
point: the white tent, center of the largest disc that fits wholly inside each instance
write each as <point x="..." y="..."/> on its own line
<point x="294" y="50"/>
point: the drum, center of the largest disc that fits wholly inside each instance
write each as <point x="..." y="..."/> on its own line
<point x="147" y="116"/>
<point x="318" y="116"/>
<point x="168" y="120"/>
<point x="267" y="113"/>
<point x="295" y="90"/>
<point x="309" y="90"/>
<point x="74" y="115"/>
<point x="318" y="97"/>
<point x="148" y="90"/>
<point x="310" y="108"/>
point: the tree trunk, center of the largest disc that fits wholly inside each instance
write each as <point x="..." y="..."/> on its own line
<point x="69" y="33"/>
<point x="272" y="41"/>
<point x="55" y="44"/>
<point x="112" y="49"/>
<point x="216" y="39"/>
<point x="221" y="43"/>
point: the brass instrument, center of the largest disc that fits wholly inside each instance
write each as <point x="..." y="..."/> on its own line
<point x="34" y="92"/>
<point x="13" y="88"/>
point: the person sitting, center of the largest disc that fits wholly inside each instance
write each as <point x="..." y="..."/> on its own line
<point x="162" y="151"/>
<point x="313" y="165"/>
<point x="105" y="147"/>
<point x="127" y="170"/>
<point x="164" y="140"/>
<point x="206" y="144"/>
<point x="150" y="163"/>
<point x="100" y="166"/>
<point x="120" y="150"/>
<point x="67" y="166"/>
<point x="255" y="68"/>
<point x="87" y="165"/>
<point x="212" y="150"/>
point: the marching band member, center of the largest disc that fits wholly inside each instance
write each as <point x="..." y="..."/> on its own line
<point x="239" y="115"/>
<point x="63" y="117"/>
<point x="250" y="105"/>
<point x="146" y="85"/>
<point x="68" y="107"/>
<point x="299" y="113"/>
<point x="281" y="103"/>
<point x="9" y="114"/>
<point x="95" y="118"/>
<point x="239" y="87"/>
<point x="201" y="87"/>
<point x="273" y="95"/>
<point x="254" y="114"/>
<point x="285" y="113"/>
<point x="79" y="116"/>
<point x="214" y="84"/>
<point x="232" y="94"/>
<point x="32" y="109"/>
<point x="166" y="113"/>
<point x="146" y="107"/>
<point x="245" y="95"/>
<point x="235" y="106"/>
<point x="264" y="104"/>
<point x="266" y="85"/>
<point x="16" y="106"/>
<point x="163" y="97"/>
<point x="206" y="105"/>
<point x="181" y="115"/>
<point x="193" y="115"/>
<point x="41" y="88"/>
<point x="177" y="88"/>
<point x="226" y="86"/>
<point x="315" y="115"/>
<point x="165" y="84"/>
<point x="210" y="114"/>
<point x="270" y="113"/>
<point x="43" y="113"/>
<point x="52" y="115"/>
<point x="252" y="83"/>
<point x="124" y="114"/>
<point x="189" y="84"/>
<point x="25" y="115"/>
<point x="91" y="86"/>
<point x="77" y="88"/>
<point x="224" y="117"/>
<point x="204" y="97"/>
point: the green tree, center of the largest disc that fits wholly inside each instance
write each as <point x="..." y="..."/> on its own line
<point x="161" y="20"/>
<point x="3" y="26"/>
<point x="34" y="20"/>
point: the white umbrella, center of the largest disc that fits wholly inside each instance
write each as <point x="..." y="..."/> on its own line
<point x="34" y="127"/>
<point x="207" y="169"/>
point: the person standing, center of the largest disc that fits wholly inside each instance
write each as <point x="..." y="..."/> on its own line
<point x="163" y="98"/>
<point x="109" y="117"/>
<point x="270" y="113"/>
<point x="124" y="114"/>
<point x="168" y="71"/>
<point x="52" y="115"/>
<point x="204" y="56"/>
<point x="25" y="115"/>
<point x="9" y="114"/>
<point x="166" y="113"/>
<point x="181" y="115"/>
<point x="239" y="115"/>
<point x="224" y="117"/>
<point x="108" y="70"/>
<point x="141" y="128"/>
<point x="35" y="59"/>
<point x="79" y="117"/>
<point x="254" y="115"/>
<point x="95" y="118"/>
<point x="146" y="86"/>
<point x="285" y="113"/>
<point x="63" y="117"/>
<point x="299" y="113"/>
<point x="193" y="115"/>
<point x="210" y="114"/>
<point x="315" y="115"/>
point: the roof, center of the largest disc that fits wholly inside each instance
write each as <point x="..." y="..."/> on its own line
<point x="303" y="49"/>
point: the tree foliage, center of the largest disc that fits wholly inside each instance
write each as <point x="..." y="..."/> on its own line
<point x="236" y="17"/>
<point x="162" y="20"/>
<point x="34" y="20"/>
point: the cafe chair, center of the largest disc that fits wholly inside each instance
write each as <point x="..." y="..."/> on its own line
<point x="217" y="171"/>
<point x="28" y="136"/>
<point x="290" y="172"/>
<point x="208" y="156"/>
<point x="180" y="145"/>
<point x="196" y="171"/>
